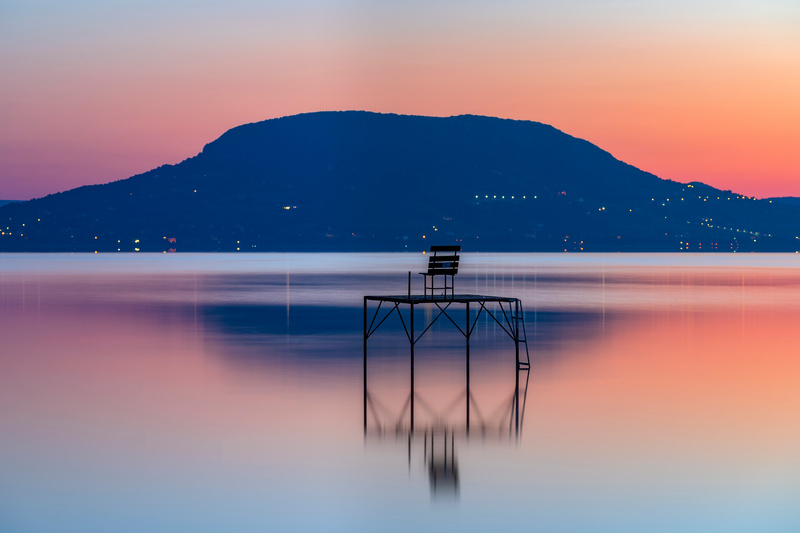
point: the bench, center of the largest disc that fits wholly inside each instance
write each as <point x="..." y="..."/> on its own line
<point x="442" y="262"/>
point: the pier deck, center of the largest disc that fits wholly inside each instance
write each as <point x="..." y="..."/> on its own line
<point x="457" y="298"/>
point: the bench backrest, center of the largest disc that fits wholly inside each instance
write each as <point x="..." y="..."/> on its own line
<point x="443" y="260"/>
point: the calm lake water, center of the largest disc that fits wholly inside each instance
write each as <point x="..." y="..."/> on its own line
<point x="221" y="393"/>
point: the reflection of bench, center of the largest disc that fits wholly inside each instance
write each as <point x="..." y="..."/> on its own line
<point x="443" y="262"/>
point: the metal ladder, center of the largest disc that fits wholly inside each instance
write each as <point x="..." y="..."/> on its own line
<point x="518" y="318"/>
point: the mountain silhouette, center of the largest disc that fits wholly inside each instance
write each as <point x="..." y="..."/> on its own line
<point x="360" y="181"/>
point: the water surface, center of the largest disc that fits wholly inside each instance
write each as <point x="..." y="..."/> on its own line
<point x="225" y="393"/>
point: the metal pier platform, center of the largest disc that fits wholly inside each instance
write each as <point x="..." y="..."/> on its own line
<point x="507" y="312"/>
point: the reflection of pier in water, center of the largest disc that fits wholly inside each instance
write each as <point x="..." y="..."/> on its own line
<point x="509" y="315"/>
<point x="439" y="433"/>
<point x="444" y="427"/>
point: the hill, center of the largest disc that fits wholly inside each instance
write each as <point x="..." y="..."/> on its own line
<point x="359" y="181"/>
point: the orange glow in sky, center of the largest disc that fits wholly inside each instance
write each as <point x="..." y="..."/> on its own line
<point x="703" y="90"/>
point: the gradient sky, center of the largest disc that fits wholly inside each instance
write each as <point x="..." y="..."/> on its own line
<point x="94" y="91"/>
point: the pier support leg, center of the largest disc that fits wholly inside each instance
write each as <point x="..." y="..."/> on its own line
<point x="466" y="334"/>
<point x="516" y="330"/>
<point x="516" y="405"/>
<point x="365" y="365"/>
<point x="411" y="341"/>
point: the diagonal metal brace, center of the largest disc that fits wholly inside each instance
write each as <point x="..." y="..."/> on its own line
<point x="371" y="329"/>
<point x="442" y="311"/>
<point x="496" y="320"/>
<point x="432" y="322"/>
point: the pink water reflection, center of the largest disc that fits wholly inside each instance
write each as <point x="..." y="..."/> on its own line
<point x="665" y="399"/>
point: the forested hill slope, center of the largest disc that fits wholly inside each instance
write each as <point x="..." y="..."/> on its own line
<point x="359" y="181"/>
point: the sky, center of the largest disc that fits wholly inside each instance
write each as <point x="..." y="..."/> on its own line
<point x="93" y="91"/>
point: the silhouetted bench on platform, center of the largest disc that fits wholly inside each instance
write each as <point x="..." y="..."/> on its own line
<point x="442" y="262"/>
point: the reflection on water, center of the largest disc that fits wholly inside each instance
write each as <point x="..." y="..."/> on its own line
<point x="440" y="426"/>
<point x="225" y="393"/>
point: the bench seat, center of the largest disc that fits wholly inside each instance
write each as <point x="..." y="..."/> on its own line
<point x="442" y="263"/>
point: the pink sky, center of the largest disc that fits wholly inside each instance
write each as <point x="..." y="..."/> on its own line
<point x="701" y="90"/>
